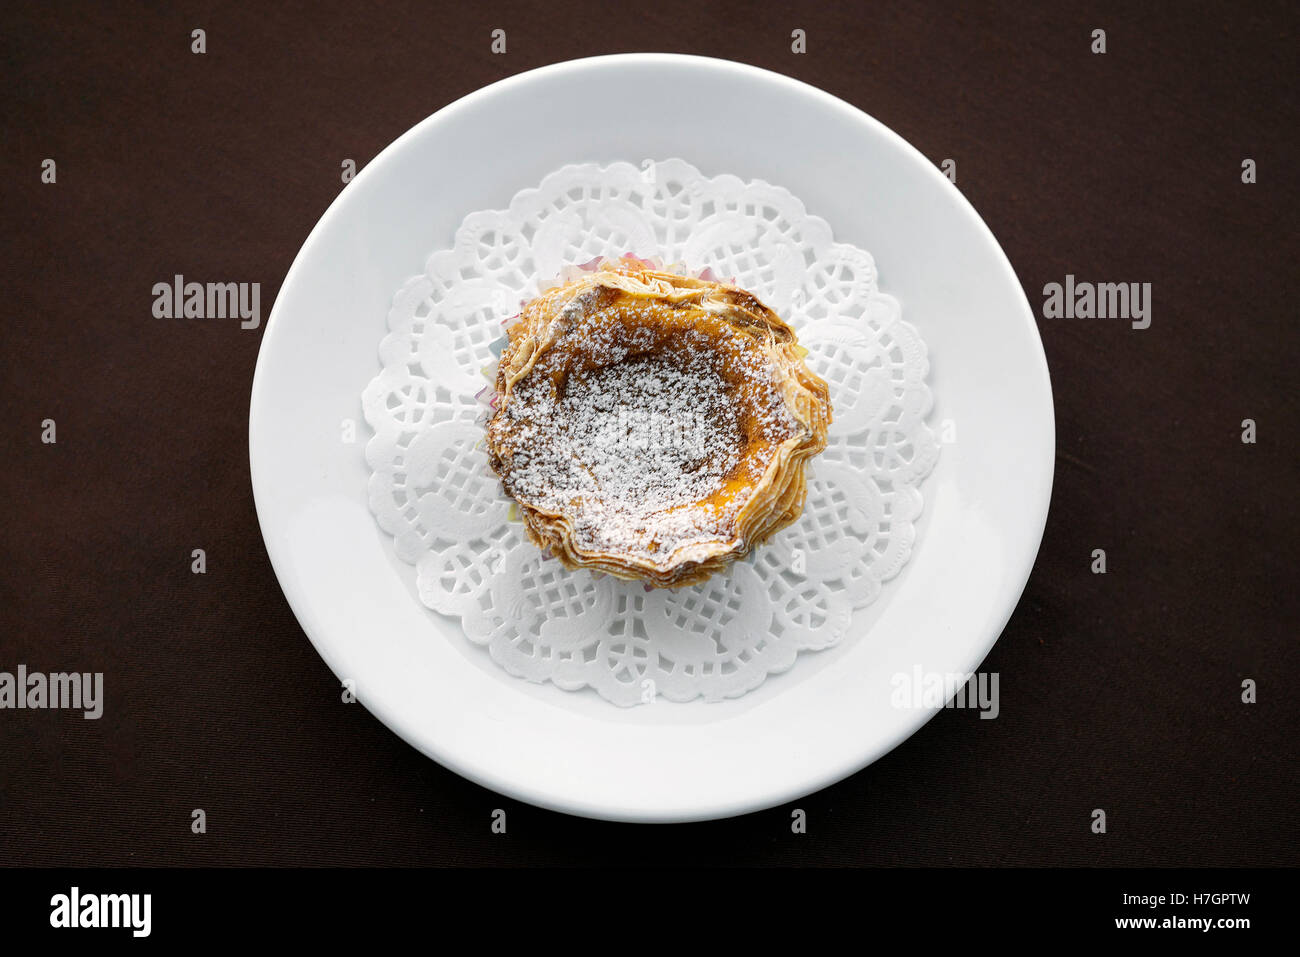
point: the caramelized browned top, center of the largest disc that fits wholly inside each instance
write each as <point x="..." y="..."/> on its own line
<point x="646" y="421"/>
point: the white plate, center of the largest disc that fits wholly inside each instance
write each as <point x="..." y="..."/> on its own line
<point x="831" y="714"/>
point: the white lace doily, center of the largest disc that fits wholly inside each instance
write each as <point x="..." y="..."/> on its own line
<point x="431" y="487"/>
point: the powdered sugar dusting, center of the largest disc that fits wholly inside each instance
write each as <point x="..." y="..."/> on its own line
<point x="634" y="434"/>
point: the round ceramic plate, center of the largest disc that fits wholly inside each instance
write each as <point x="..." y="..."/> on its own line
<point x="834" y="711"/>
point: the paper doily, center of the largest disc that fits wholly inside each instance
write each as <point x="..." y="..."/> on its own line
<point x="432" y="490"/>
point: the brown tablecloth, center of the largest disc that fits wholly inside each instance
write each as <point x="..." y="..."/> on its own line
<point x="1119" y="691"/>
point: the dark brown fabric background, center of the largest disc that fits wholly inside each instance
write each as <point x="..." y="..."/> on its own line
<point x="1119" y="691"/>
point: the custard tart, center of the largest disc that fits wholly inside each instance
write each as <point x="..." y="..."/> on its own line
<point x="652" y="425"/>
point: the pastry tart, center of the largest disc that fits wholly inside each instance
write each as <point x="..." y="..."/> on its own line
<point x="652" y="425"/>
